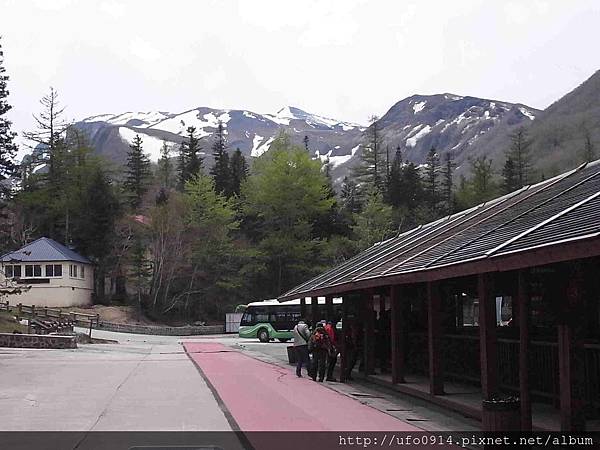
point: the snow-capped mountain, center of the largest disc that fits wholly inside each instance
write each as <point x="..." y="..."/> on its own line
<point x="465" y="126"/>
<point x="251" y="132"/>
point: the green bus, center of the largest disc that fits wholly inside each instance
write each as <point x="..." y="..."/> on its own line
<point x="269" y="320"/>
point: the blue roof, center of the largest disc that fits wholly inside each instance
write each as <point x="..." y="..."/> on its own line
<point x="44" y="249"/>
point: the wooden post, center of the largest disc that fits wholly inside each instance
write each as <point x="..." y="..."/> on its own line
<point x="524" y="324"/>
<point x="33" y="311"/>
<point x="91" y="322"/>
<point x="434" y="329"/>
<point x="314" y="310"/>
<point x="20" y="308"/>
<point x="342" y="343"/>
<point x="303" y="308"/>
<point x="369" y="335"/>
<point x="570" y="355"/>
<point x="397" y="334"/>
<point x="329" y="307"/>
<point x="487" y="336"/>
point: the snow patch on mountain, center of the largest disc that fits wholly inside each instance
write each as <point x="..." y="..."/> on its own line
<point x="412" y="141"/>
<point x="150" y="145"/>
<point x="526" y="113"/>
<point x="417" y="107"/>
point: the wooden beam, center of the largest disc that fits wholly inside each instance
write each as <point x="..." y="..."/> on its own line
<point x="397" y="334"/>
<point x="523" y="303"/>
<point x="487" y="335"/>
<point x="434" y="330"/>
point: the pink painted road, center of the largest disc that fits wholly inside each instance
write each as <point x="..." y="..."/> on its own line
<point x="266" y="397"/>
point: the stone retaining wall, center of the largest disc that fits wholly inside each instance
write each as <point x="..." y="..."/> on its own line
<point x="162" y="331"/>
<point x="36" y="341"/>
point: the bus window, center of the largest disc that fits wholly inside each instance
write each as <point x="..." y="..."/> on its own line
<point x="247" y="319"/>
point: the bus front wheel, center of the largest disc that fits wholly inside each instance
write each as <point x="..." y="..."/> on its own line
<point x="263" y="335"/>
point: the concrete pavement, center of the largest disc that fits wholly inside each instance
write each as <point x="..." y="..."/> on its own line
<point x="131" y="386"/>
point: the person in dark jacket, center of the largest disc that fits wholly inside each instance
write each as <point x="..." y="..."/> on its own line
<point x="320" y="347"/>
<point x="301" y="335"/>
<point x="332" y="356"/>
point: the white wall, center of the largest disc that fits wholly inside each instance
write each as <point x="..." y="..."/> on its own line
<point x="61" y="291"/>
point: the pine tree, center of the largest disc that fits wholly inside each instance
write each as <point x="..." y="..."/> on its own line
<point x="49" y="136"/>
<point x="165" y="167"/>
<point x="519" y="152"/>
<point x="350" y="196"/>
<point x="482" y="182"/>
<point x="239" y="171"/>
<point x="510" y="182"/>
<point x="8" y="149"/>
<point x="137" y="174"/>
<point x="374" y="222"/>
<point x="305" y="141"/>
<point x="372" y="168"/>
<point x="431" y="180"/>
<point x="447" y="183"/>
<point x="221" y="171"/>
<point x="395" y="191"/>
<point x="589" y="152"/>
<point x="190" y="161"/>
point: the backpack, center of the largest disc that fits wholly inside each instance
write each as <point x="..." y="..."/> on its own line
<point x="317" y="341"/>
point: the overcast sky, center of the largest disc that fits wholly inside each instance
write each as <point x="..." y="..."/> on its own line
<point x="344" y="59"/>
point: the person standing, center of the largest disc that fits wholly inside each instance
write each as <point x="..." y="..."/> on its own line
<point x="332" y="356"/>
<point x="320" y="347"/>
<point x="301" y="336"/>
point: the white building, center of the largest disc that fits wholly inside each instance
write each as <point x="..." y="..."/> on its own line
<point x="57" y="275"/>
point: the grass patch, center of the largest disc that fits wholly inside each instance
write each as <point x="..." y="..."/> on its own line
<point x="8" y="324"/>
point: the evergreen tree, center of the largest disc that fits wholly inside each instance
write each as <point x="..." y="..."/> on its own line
<point x="519" y="152"/>
<point x="395" y="188"/>
<point x="165" y="167"/>
<point x="447" y="184"/>
<point x="221" y="171"/>
<point x="190" y="161"/>
<point x="350" y="195"/>
<point x="372" y="168"/>
<point x="137" y="173"/>
<point x="239" y="171"/>
<point x="510" y="181"/>
<point x="305" y="141"/>
<point x="8" y="149"/>
<point x="482" y="182"/>
<point x="431" y="181"/>
<point x="374" y="222"/>
<point x="589" y="152"/>
<point x="287" y="193"/>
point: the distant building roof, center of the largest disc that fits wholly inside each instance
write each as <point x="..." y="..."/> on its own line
<point x="44" y="249"/>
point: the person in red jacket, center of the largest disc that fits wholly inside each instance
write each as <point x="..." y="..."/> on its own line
<point x="332" y="357"/>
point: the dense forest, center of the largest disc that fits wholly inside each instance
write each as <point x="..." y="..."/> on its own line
<point x="183" y="241"/>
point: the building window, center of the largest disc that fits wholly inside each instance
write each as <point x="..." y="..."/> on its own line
<point x="73" y="271"/>
<point x="54" y="270"/>
<point x="82" y="271"/>
<point x="11" y="271"/>
<point x="33" y="270"/>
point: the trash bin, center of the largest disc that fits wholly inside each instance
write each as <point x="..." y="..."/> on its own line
<point x="501" y="413"/>
<point x="291" y="351"/>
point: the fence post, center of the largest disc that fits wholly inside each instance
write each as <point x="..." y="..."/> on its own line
<point x="33" y="311"/>
<point x="20" y="308"/>
<point x="91" y="321"/>
<point x="97" y="320"/>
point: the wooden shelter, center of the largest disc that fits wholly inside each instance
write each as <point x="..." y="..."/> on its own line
<point x="505" y="295"/>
